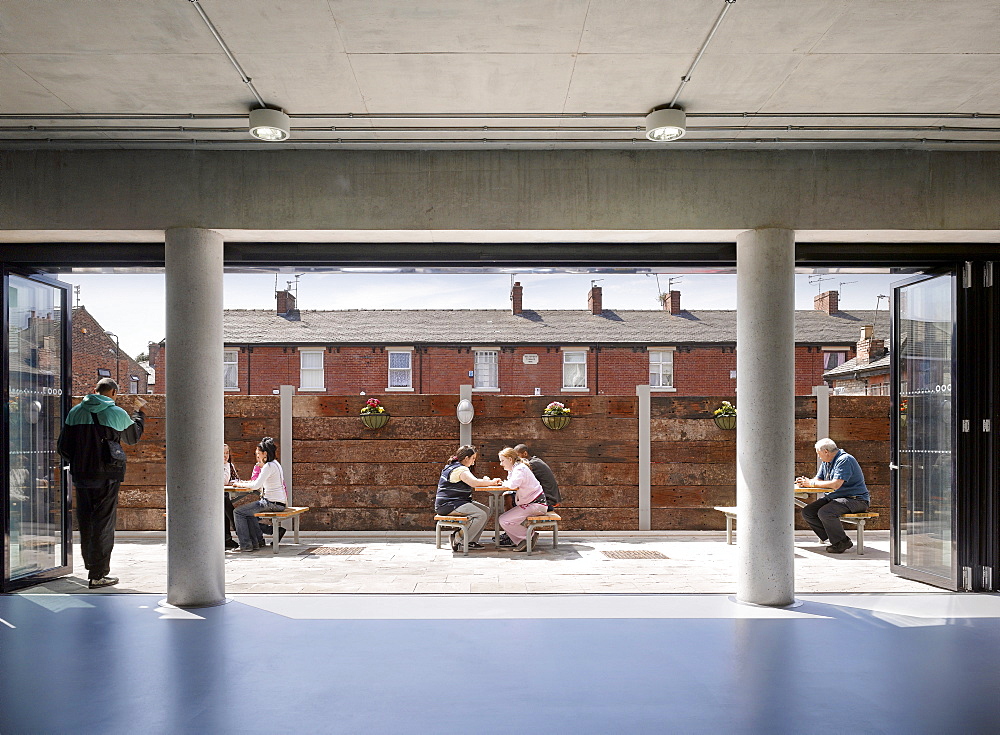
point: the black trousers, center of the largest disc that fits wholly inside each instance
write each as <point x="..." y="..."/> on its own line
<point x="96" y="513"/>
<point x="230" y="523"/>
<point x="823" y="516"/>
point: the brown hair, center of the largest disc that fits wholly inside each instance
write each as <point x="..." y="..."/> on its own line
<point x="466" y="450"/>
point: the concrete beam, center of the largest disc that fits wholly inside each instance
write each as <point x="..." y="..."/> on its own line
<point x="499" y="190"/>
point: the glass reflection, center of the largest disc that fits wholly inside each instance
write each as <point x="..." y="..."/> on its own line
<point x="925" y="426"/>
<point x="35" y="417"/>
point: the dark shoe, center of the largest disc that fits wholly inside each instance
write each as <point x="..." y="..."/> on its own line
<point x="505" y="540"/>
<point x="244" y="549"/>
<point x="281" y="533"/>
<point x="523" y="546"/>
<point x="476" y="545"/>
<point x="102" y="582"/>
<point x="230" y="544"/>
<point x="839" y="548"/>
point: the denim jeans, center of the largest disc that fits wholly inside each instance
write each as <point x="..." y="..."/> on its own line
<point x="823" y="516"/>
<point x="247" y="527"/>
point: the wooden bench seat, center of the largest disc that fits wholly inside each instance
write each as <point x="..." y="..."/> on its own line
<point x="278" y="517"/>
<point x="451" y="522"/>
<point x="545" y="522"/>
<point x="858" y="519"/>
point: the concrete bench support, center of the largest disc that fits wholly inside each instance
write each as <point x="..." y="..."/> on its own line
<point x="858" y="519"/>
<point x="547" y="522"/>
<point x="278" y="517"/>
<point x="451" y="522"/>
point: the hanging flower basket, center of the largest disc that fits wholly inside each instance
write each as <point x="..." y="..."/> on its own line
<point x="725" y="416"/>
<point x="556" y="416"/>
<point x="726" y="422"/>
<point x="374" y="415"/>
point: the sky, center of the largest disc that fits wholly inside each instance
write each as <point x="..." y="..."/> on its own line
<point x="132" y="305"/>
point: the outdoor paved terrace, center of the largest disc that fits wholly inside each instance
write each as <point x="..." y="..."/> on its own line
<point x="696" y="562"/>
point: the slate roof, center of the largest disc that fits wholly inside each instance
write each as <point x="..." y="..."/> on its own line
<point x="500" y="327"/>
<point x="851" y="367"/>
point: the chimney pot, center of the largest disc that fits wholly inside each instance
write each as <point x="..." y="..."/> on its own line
<point x="286" y="302"/>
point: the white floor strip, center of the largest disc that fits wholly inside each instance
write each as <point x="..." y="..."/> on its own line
<point x="8" y="624"/>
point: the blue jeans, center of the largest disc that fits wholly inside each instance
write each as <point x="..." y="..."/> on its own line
<point x="247" y="527"/>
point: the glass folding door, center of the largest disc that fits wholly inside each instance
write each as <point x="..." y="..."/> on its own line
<point x="924" y="510"/>
<point x="35" y="500"/>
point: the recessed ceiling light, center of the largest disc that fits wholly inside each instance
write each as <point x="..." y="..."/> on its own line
<point x="270" y="125"/>
<point x="667" y="124"/>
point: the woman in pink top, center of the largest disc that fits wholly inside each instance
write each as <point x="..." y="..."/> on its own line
<point x="529" y="500"/>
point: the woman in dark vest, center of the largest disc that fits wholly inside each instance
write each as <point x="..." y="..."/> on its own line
<point x="454" y="495"/>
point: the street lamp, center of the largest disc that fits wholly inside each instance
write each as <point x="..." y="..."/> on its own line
<point x="118" y="356"/>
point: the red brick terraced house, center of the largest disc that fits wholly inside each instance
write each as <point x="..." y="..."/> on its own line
<point x="96" y="355"/>
<point x="593" y="351"/>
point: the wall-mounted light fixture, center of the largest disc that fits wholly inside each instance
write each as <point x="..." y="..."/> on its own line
<point x="270" y="125"/>
<point x="465" y="411"/>
<point x="669" y="123"/>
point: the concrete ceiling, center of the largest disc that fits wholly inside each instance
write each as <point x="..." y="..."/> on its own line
<point x="501" y="73"/>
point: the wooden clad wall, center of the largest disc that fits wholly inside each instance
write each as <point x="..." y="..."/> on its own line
<point x="355" y="478"/>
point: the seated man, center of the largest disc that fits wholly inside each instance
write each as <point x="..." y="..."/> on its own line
<point x="840" y="473"/>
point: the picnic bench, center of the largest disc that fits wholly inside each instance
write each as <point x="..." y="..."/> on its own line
<point x="278" y="517"/>
<point x="858" y="519"/>
<point x="451" y="522"/>
<point x="544" y="522"/>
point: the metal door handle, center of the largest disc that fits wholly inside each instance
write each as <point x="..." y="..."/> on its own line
<point x="893" y="466"/>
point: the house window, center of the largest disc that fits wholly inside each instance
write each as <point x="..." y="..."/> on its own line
<point x="832" y="359"/>
<point x="400" y="369"/>
<point x="574" y="369"/>
<point x="311" y="370"/>
<point x="661" y="369"/>
<point x="230" y="376"/>
<point x="487" y="373"/>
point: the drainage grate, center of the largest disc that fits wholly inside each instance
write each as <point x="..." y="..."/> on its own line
<point x="334" y="550"/>
<point x="633" y="554"/>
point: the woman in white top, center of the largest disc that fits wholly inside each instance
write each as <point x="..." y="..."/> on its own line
<point x="529" y="500"/>
<point x="271" y="483"/>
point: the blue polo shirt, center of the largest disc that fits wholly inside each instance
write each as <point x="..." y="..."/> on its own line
<point x="845" y="467"/>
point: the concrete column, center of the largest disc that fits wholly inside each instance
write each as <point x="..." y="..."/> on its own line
<point x="645" y="449"/>
<point x="195" y="411"/>
<point x="765" y="397"/>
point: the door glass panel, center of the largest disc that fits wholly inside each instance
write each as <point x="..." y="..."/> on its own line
<point x="924" y="344"/>
<point x="35" y="356"/>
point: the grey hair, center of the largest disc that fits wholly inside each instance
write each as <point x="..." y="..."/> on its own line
<point x="826" y="445"/>
<point x="106" y="385"/>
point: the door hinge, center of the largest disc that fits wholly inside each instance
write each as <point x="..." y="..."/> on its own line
<point x="967" y="579"/>
<point x="986" y="426"/>
<point x="988" y="274"/>
<point x="988" y="579"/>
<point x="967" y="274"/>
<point x="965" y="426"/>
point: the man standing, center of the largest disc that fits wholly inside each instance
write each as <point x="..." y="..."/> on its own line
<point x="841" y="473"/>
<point x="91" y="442"/>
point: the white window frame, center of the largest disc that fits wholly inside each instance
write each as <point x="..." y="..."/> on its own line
<point x="235" y="361"/>
<point x="476" y="352"/>
<point x="312" y="386"/>
<point x="661" y="351"/>
<point x="389" y="351"/>
<point x="566" y="351"/>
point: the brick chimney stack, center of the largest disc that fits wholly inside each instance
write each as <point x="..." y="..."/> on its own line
<point x="827" y="302"/>
<point x="286" y="302"/>
<point x="515" y="298"/>
<point x="595" y="299"/>
<point x="869" y="349"/>
<point x="671" y="302"/>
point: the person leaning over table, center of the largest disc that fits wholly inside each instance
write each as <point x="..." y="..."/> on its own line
<point x="271" y="483"/>
<point x="841" y="474"/>
<point x="529" y="500"/>
<point x="454" y="495"/>
<point x="229" y="474"/>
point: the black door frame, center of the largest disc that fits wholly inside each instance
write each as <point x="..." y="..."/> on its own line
<point x="66" y="529"/>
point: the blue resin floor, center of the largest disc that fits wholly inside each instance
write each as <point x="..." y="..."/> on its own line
<point x="840" y="663"/>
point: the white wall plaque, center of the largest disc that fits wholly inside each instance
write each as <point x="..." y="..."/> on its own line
<point x="529" y="359"/>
